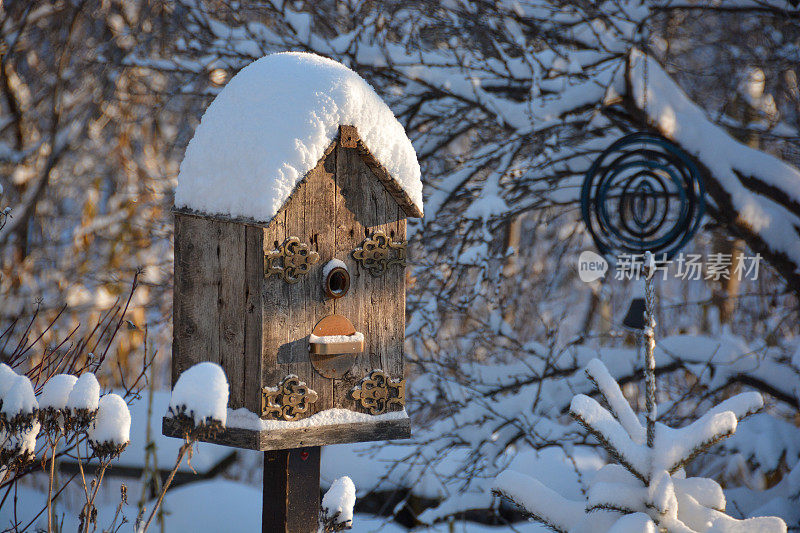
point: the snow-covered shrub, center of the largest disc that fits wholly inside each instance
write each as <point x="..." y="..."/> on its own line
<point x="110" y="431"/>
<point x="83" y="401"/>
<point x="53" y="401"/>
<point x="648" y="489"/>
<point x="18" y="447"/>
<point x="200" y="397"/>
<point x="337" y="506"/>
<point x="19" y="404"/>
<point x="7" y="379"/>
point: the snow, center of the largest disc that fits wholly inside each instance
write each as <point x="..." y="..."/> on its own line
<point x="215" y="505"/>
<point x="539" y="500"/>
<point x="55" y="392"/>
<point x="613" y="395"/>
<point x="634" y="523"/>
<point x="334" y="339"/>
<point x="8" y="377"/>
<point x="205" y="456"/>
<point x="330" y="265"/>
<point x="113" y="421"/>
<point x="19" y="399"/>
<point x="22" y="442"/>
<point x="203" y="391"/>
<point x="652" y="481"/>
<point x="245" y="419"/>
<point x="270" y="126"/>
<point x="340" y="498"/>
<point x="85" y="393"/>
<point x="729" y="161"/>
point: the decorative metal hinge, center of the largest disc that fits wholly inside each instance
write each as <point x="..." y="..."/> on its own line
<point x="297" y="260"/>
<point x="288" y="401"/>
<point x="373" y="254"/>
<point x="377" y="392"/>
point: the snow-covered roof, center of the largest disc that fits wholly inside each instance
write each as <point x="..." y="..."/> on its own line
<point x="271" y="125"/>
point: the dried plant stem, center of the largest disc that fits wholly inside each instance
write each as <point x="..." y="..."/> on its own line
<point x="186" y="447"/>
<point x="80" y="469"/>
<point x="50" y="481"/>
<point x="90" y="499"/>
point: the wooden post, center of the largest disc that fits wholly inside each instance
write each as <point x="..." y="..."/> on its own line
<point x="291" y="491"/>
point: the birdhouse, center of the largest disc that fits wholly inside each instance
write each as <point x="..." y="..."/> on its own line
<point x="290" y="255"/>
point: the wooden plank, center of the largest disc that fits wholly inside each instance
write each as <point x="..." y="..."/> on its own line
<point x="254" y="278"/>
<point x="231" y="303"/>
<point x="290" y="311"/>
<point x="277" y="439"/>
<point x="375" y="304"/>
<point x="195" y="293"/>
<point x="275" y="310"/>
<point x="291" y="491"/>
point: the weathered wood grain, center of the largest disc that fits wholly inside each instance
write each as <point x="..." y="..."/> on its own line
<point x="196" y="292"/>
<point x="217" y="302"/>
<point x="254" y="279"/>
<point x="278" y="439"/>
<point x="375" y="304"/>
<point x="231" y="307"/>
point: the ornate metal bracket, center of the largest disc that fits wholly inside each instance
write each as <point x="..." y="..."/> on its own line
<point x="288" y="401"/>
<point x="377" y="392"/>
<point x="297" y="260"/>
<point x="373" y="254"/>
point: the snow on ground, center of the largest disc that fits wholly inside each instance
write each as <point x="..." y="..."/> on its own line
<point x="271" y="124"/>
<point x="203" y="391"/>
<point x="218" y="506"/>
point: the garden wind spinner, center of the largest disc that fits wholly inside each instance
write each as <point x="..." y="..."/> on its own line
<point x="642" y="194"/>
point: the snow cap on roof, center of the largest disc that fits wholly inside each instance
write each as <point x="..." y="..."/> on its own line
<point x="270" y="126"/>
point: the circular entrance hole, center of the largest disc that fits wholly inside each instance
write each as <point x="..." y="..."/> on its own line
<point x="337" y="282"/>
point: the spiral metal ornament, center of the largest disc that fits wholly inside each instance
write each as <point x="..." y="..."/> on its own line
<point x="642" y="194"/>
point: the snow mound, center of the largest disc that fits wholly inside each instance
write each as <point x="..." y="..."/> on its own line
<point x="338" y="502"/>
<point x="202" y="392"/>
<point x="8" y="377"/>
<point x="271" y="124"/>
<point x="19" y="399"/>
<point x="112" y="423"/>
<point x="85" y="393"/>
<point x="55" y="392"/>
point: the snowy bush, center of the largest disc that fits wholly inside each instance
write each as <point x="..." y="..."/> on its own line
<point x="18" y="447"/>
<point x="53" y="401"/>
<point x="647" y="490"/>
<point x="200" y="396"/>
<point x="20" y="407"/>
<point x="337" y="506"/>
<point x="109" y="433"/>
<point x="83" y="401"/>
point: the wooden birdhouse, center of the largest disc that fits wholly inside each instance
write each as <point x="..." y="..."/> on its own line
<point x="290" y="274"/>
